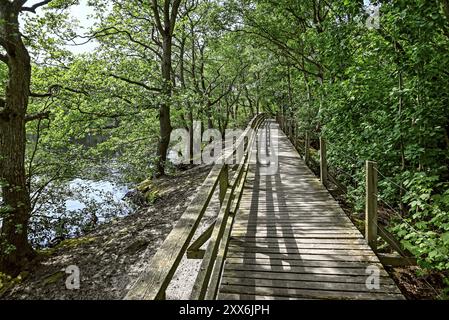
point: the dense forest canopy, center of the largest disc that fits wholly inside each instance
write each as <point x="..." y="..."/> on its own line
<point x="374" y="82"/>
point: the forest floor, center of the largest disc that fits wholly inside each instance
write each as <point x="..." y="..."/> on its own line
<point x="111" y="257"/>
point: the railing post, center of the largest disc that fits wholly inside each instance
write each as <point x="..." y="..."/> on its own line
<point x="224" y="182"/>
<point x="371" y="204"/>
<point x="292" y="127"/>
<point x="323" y="162"/>
<point x="306" y="148"/>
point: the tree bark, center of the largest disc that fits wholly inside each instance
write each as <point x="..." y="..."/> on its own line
<point x="166" y="27"/>
<point x="15" y="250"/>
<point x="164" y="110"/>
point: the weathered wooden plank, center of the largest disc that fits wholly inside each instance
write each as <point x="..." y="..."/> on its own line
<point x="295" y="229"/>
<point x="296" y="217"/>
<point x="310" y="277"/>
<point x="288" y="251"/>
<point x="306" y="263"/>
<point x="235" y="296"/>
<point x="281" y="234"/>
<point x="324" y="257"/>
<point x="309" y="285"/>
<point x="299" y="246"/>
<point x="303" y="220"/>
<point x="295" y="225"/>
<point x="371" y="204"/>
<point x="270" y="241"/>
<point x="303" y="293"/>
<point x="194" y="251"/>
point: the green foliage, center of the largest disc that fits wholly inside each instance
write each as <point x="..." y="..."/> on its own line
<point x="377" y="94"/>
<point x="425" y="231"/>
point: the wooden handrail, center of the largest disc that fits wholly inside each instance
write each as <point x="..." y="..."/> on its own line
<point x="157" y="275"/>
<point x="207" y="281"/>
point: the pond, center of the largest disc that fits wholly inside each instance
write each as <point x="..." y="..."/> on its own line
<point x="71" y="209"/>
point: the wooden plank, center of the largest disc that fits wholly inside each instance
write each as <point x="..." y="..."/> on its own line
<point x="305" y="277"/>
<point x="295" y="229"/>
<point x="305" y="220"/>
<point x="194" y="251"/>
<point x="293" y="202"/>
<point x="306" y="263"/>
<point x="297" y="216"/>
<point x="303" y="293"/>
<point x="371" y="204"/>
<point x="281" y="234"/>
<point x="309" y="285"/>
<point x="297" y="241"/>
<point x="324" y="257"/>
<point x="250" y="297"/>
<point x="284" y="246"/>
<point x="323" y="162"/>
<point x="288" y="251"/>
<point x="294" y="225"/>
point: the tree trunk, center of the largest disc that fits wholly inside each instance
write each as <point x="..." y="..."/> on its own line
<point x="210" y="122"/>
<point x="164" y="110"/>
<point x="15" y="251"/>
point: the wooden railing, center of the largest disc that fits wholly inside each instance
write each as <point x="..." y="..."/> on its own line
<point x="373" y="229"/>
<point x="159" y="272"/>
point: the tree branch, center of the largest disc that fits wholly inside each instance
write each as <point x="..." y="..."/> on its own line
<point x="54" y="89"/>
<point x="37" y="116"/>
<point x="157" y="17"/>
<point x="174" y="14"/>
<point x="34" y="7"/>
<point x="140" y="84"/>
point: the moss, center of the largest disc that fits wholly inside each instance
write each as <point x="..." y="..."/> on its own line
<point x="145" y="185"/>
<point x="72" y="243"/>
<point x="68" y="243"/>
<point x="152" y="196"/>
<point x="47" y="252"/>
<point x="7" y="282"/>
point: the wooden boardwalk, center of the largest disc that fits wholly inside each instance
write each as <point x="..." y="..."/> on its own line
<point x="291" y="240"/>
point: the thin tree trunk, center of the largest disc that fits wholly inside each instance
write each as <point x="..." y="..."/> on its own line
<point x="164" y="110"/>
